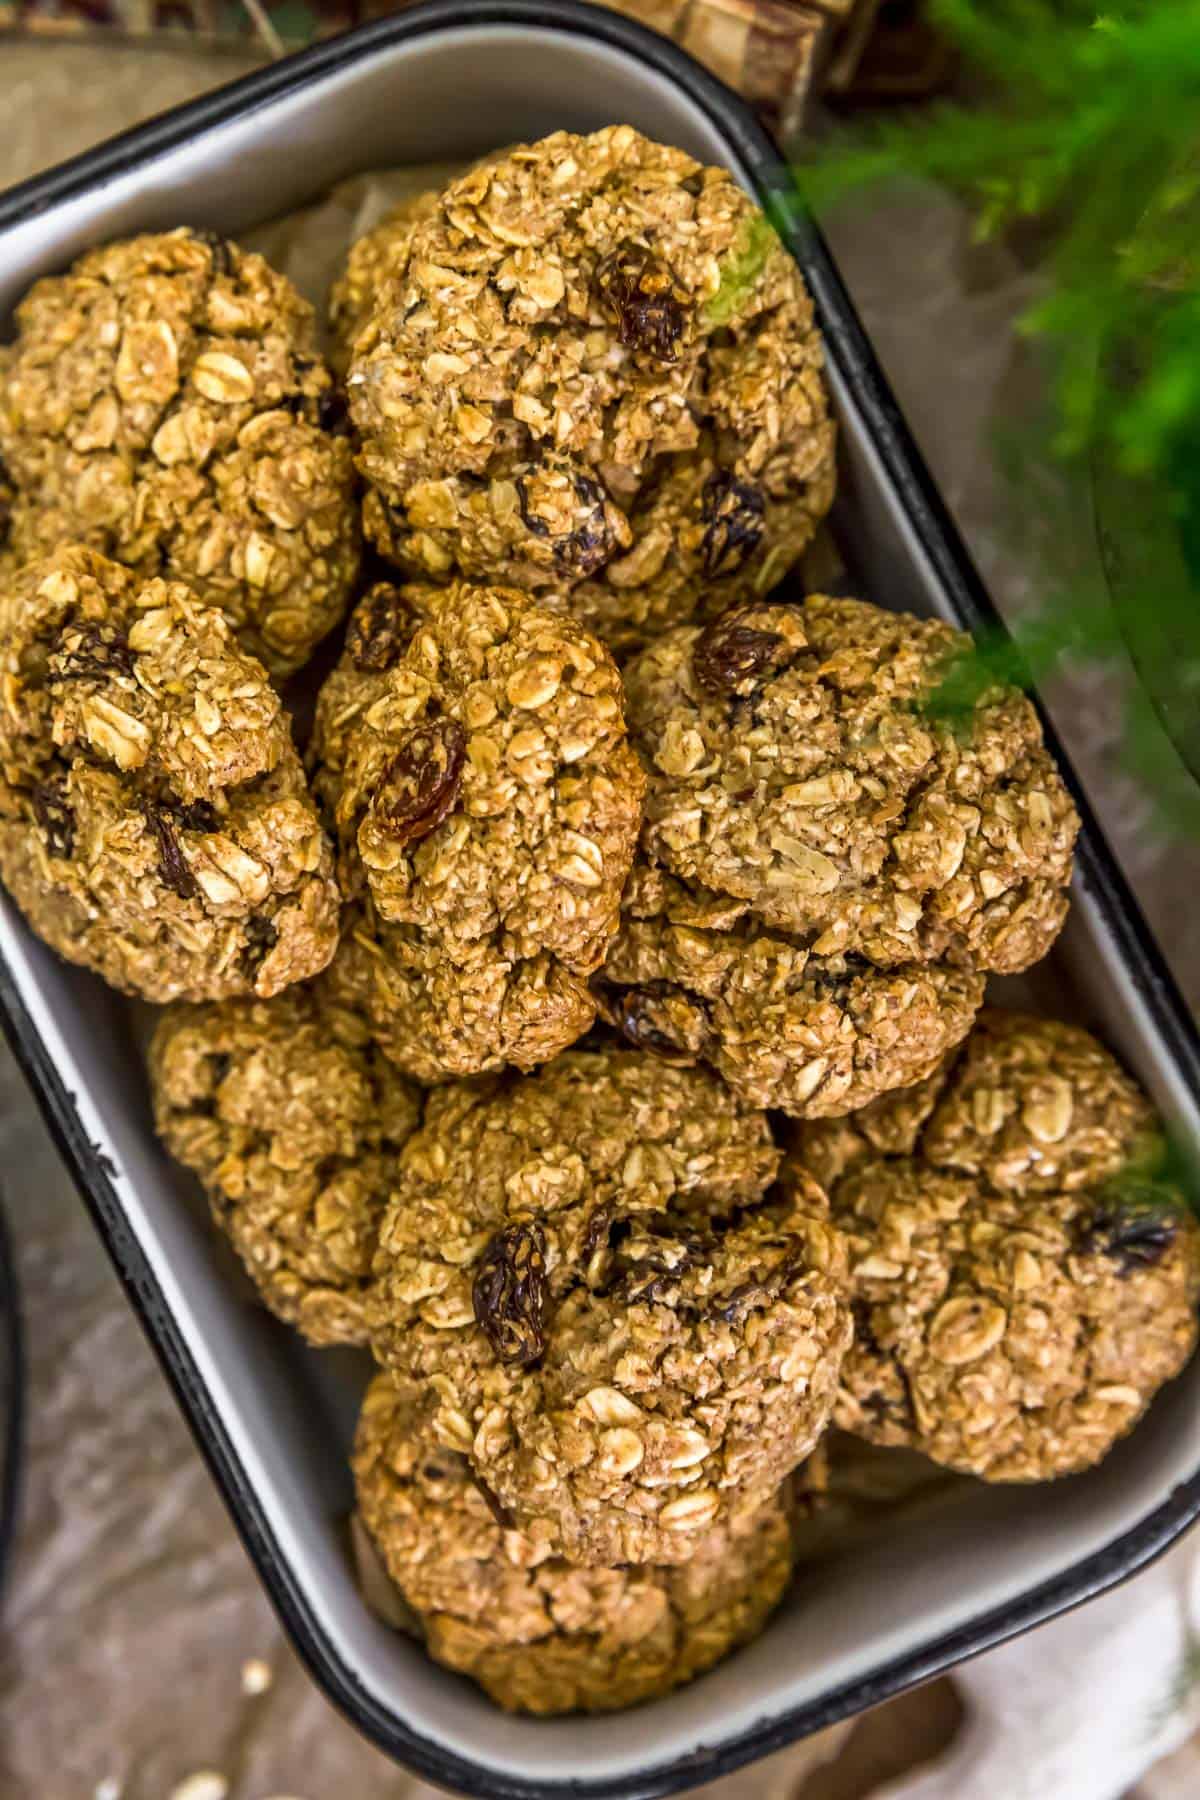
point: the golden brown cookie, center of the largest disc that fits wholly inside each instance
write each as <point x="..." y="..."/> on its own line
<point x="165" y="404"/>
<point x="1024" y="1281"/>
<point x="292" y="1122"/>
<point x="793" y="767"/>
<point x="155" y="824"/>
<point x="596" y="376"/>
<point x="629" y="1341"/>
<point x="471" y="748"/>
<point x="538" y="1634"/>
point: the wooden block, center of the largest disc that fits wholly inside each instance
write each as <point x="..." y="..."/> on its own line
<point x="769" y="51"/>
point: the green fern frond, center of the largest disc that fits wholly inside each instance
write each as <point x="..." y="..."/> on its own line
<point x="742" y="270"/>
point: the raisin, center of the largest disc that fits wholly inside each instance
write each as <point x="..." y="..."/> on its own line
<point x="420" y="785"/>
<point x="650" y="1270"/>
<point x="172" y="865"/>
<point x="830" y="978"/>
<point x="91" y="652"/>
<point x="498" y="1511"/>
<point x="333" y="414"/>
<point x="636" y="1013"/>
<point x="532" y="522"/>
<point x="53" y="813"/>
<point x="640" y="291"/>
<point x="1135" y="1236"/>
<point x="742" y="1301"/>
<point x="380" y="629"/>
<point x="733" y="513"/>
<point x="510" y="1292"/>
<point x="733" y="656"/>
<point x="166" y="819"/>
<point x="197" y="815"/>
<point x="219" y="249"/>
<point x="589" y="543"/>
<point x="756" y="1294"/>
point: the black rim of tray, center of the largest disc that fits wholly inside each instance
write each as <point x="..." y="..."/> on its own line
<point x="940" y="542"/>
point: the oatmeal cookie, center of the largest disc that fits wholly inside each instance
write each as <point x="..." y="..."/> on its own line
<point x="586" y="382"/>
<point x="471" y="748"/>
<point x="791" y="768"/>
<point x="292" y="1122"/>
<point x="538" y="1634"/>
<point x="155" y="824"/>
<point x="626" y="1339"/>
<point x="693" y="976"/>
<point x="164" y="403"/>
<point x="1024" y="1280"/>
<point x="370" y="263"/>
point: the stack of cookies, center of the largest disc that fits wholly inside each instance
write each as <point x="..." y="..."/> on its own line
<point x="590" y="1023"/>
